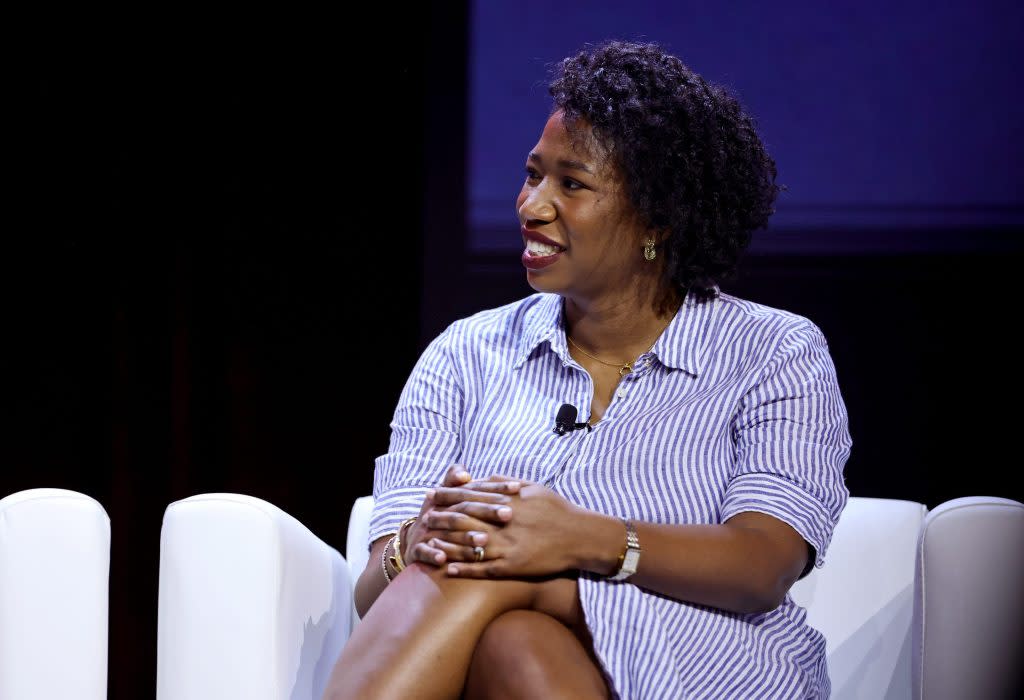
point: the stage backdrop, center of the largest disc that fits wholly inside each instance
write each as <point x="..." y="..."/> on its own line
<point x="896" y="115"/>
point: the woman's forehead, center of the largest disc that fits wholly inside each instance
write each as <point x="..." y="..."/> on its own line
<point x="576" y="146"/>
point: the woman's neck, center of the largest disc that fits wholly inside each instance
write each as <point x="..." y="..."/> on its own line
<point x="618" y="329"/>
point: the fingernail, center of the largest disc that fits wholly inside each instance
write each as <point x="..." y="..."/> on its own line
<point x="514" y="485"/>
<point x="430" y="493"/>
<point x="480" y="538"/>
<point x="439" y="557"/>
<point x="453" y="570"/>
<point x="462" y="473"/>
<point x="504" y="512"/>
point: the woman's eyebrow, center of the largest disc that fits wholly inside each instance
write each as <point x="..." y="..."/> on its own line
<point x="563" y="163"/>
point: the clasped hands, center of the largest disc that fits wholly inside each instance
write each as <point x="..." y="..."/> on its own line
<point x="526" y="529"/>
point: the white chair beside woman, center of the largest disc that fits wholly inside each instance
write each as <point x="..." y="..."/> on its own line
<point x="253" y="605"/>
<point x="54" y="575"/>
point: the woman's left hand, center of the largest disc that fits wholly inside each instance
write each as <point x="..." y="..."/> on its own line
<point x="538" y="540"/>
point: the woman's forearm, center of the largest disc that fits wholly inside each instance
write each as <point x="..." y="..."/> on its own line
<point x="371" y="582"/>
<point x="737" y="566"/>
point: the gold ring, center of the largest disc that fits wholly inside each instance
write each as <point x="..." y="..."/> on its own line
<point x="479" y="552"/>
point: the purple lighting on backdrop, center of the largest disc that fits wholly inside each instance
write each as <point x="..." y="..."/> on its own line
<point x="894" y="125"/>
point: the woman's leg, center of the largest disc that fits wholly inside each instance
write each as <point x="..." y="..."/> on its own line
<point x="528" y="654"/>
<point x="418" y="638"/>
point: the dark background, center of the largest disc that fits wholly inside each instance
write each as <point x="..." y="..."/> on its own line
<point x="224" y="258"/>
<point x="888" y="114"/>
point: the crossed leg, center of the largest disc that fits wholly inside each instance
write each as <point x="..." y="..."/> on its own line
<point x="421" y="636"/>
<point x="528" y="654"/>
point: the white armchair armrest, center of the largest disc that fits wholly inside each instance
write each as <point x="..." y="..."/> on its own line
<point x="252" y="604"/>
<point x="54" y="577"/>
<point x="862" y="600"/>
<point x="969" y="602"/>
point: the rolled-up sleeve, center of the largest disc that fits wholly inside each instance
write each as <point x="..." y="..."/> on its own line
<point x="793" y="440"/>
<point x="425" y="438"/>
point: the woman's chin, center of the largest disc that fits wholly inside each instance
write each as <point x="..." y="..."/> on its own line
<point x="540" y="282"/>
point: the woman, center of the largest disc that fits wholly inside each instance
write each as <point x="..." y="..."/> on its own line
<point x="647" y="550"/>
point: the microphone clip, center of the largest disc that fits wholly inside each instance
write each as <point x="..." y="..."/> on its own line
<point x="565" y="421"/>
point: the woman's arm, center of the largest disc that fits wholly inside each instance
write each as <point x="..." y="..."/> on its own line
<point x="745" y="565"/>
<point x="371" y="582"/>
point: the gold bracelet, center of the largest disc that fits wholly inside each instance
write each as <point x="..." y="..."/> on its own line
<point x="396" y="546"/>
<point x="384" y="558"/>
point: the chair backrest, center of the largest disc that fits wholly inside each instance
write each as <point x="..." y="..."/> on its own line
<point x="356" y="553"/>
<point x="862" y="599"/>
<point x="358" y="530"/>
<point x="54" y="574"/>
<point x="251" y="603"/>
<point x="969" y="607"/>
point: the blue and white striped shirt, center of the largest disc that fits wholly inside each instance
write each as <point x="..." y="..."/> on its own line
<point x="735" y="408"/>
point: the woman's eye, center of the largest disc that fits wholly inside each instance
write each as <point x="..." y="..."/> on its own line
<point x="568" y="183"/>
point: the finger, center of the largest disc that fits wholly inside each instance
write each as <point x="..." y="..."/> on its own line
<point x="466" y="538"/>
<point x="484" y="569"/>
<point x="450" y="496"/>
<point x="456" y="475"/>
<point x="487" y="512"/>
<point x="423" y="552"/>
<point x="428" y="502"/>
<point x="506" y="486"/>
<point x="454" y="552"/>
<point x="453" y="520"/>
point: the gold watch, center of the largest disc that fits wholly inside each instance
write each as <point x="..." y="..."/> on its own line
<point x="630" y="559"/>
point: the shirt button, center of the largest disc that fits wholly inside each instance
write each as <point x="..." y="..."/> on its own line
<point x="620" y="393"/>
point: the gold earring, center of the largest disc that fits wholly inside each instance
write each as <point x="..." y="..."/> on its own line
<point x="649" y="252"/>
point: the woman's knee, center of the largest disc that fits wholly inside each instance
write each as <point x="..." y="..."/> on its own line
<point x="524" y="653"/>
<point x="506" y="645"/>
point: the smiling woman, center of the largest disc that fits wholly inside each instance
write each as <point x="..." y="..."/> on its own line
<point x="650" y="555"/>
<point x="577" y="213"/>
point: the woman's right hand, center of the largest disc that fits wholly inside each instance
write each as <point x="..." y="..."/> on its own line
<point x="467" y="524"/>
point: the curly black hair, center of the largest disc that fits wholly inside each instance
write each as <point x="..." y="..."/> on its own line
<point x="691" y="161"/>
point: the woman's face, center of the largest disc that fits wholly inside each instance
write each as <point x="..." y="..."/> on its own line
<point x="574" y="203"/>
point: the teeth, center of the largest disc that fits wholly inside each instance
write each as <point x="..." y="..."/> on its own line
<point x="538" y="248"/>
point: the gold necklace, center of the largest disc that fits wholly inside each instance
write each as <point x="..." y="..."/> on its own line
<point x="626" y="367"/>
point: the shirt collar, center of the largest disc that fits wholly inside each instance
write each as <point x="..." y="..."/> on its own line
<point x="543" y="323"/>
<point x="680" y="346"/>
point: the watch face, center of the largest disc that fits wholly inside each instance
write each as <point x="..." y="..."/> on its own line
<point x="631" y="559"/>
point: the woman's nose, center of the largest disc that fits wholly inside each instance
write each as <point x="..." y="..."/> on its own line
<point x="535" y="207"/>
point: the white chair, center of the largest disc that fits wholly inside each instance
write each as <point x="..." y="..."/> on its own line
<point x="54" y="576"/>
<point x="862" y="600"/>
<point x="252" y="605"/>
<point x="969" y="602"/>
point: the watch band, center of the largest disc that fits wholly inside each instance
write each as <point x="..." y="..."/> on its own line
<point x="630" y="559"/>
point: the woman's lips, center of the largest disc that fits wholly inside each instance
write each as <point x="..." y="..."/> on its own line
<point x="537" y="262"/>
